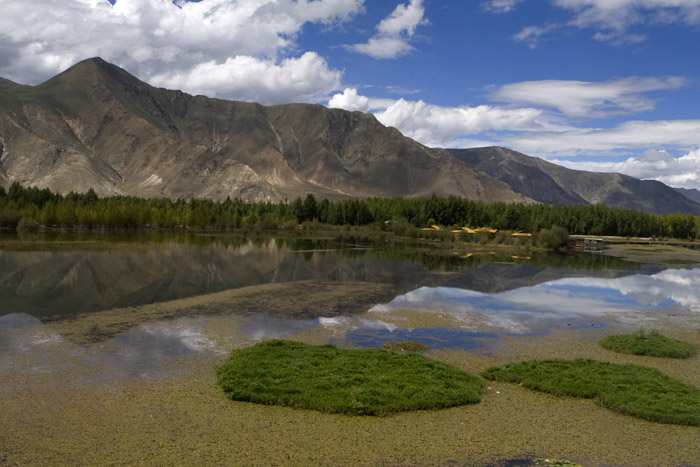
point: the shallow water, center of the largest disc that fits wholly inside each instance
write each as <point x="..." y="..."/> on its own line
<point x="133" y="309"/>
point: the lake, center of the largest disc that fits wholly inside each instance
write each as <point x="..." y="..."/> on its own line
<point x="72" y="294"/>
<point x="86" y="319"/>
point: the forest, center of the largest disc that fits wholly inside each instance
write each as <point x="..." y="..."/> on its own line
<point x="30" y="207"/>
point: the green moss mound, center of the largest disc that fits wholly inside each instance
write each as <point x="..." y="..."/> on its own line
<point x="630" y="389"/>
<point x="652" y="344"/>
<point x="353" y="382"/>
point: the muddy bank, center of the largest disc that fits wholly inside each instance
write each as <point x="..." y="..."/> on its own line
<point x="670" y="255"/>
<point x="310" y="299"/>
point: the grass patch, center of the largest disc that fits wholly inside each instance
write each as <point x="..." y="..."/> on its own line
<point x="633" y="390"/>
<point x="649" y="250"/>
<point x="353" y="382"/>
<point x="405" y="346"/>
<point x="647" y="343"/>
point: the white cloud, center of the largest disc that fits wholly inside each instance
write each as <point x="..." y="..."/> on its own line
<point x="628" y="136"/>
<point x="434" y="125"/>
<point x="582" y="99"/>
<point x="394" y="32"/>
<point x="500" y="6"/>
<point x="302" y="79"/>
<point x="613" y="18"/>
<point x="532" y="35"/>
<point x="682" y="172"/>
<point x="352" y="101"/>
<point x="152" y="38"/>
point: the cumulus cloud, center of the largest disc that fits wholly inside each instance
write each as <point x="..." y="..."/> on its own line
<point x="582" y="99"/>
<point x="351" y="100"/>
<point x="682" y="172"/>
<point x="613" y="19"/>
<point x="394" y="32"/>
<point x="435" y="125"/>
<point x="264" y="81"/>
<point x="154" y="37"/>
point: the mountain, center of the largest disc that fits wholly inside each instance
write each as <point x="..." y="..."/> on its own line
<point x="550" y="183"/>
<point x="693" y="195"/>
<point x="96" y="126"/>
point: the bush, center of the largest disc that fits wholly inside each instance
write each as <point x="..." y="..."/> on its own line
<point x="27" y="224"/>
<point x="553" y="238"/>
<point x="353" y="382"/>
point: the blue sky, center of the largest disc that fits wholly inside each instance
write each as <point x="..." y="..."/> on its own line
<point x="611" y="85"/>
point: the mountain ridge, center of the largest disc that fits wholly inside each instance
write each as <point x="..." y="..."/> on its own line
<point x="553" y="184"/>
<point x="119" y="135"/>
<point x="97" y="126"/>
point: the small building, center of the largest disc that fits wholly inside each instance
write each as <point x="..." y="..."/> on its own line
<point x="521" y="236"/>
<point x="593" y="244"/>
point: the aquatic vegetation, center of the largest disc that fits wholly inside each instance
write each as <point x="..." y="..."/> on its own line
<point x="634" y="390"/>
<point x="647" y="343"/>
<point x="405" y="346"/>
<point x="352" y="382"/>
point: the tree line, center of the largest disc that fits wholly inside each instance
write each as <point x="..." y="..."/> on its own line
<point x="31" y="207"/>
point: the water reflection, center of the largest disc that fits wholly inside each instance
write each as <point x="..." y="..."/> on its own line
<point x="434" y="337"/>
<point x="568" y="301"/>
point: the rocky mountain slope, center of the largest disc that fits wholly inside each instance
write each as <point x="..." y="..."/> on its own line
<point x="96" y="126"/>
<point x="553" y="184"/>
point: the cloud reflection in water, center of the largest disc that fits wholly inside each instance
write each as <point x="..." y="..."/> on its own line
<point x="564" y="300"/>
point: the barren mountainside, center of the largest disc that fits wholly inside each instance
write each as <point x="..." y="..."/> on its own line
<point x="553" y="184"/>
<point x="96" y="126"/>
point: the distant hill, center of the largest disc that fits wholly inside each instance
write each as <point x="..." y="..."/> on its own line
<point x="553" y="184"/>
<point x="693" y="195"/>
<point x="7" y="84"/>
<point x="96" y="126"/>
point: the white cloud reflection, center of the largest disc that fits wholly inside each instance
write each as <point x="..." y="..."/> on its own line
<point x="571" y="300"/>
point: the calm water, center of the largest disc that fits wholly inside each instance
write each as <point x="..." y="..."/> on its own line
<point x="48" y="290"/>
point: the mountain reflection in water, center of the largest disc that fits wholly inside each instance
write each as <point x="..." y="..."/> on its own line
<point x="57" y="295"/>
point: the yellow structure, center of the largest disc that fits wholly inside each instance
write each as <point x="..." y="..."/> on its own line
<point x="521" y="236"/>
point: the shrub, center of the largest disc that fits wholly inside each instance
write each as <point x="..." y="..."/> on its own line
<point x="553" y="238"/>
<point x="27" y="224"/>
